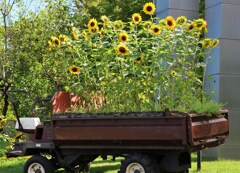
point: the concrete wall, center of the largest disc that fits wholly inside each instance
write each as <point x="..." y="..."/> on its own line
<point x="224" y="23"/>
<point x="175" y="8"/>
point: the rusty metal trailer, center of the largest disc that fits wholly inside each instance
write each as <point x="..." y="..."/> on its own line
<point x="150" y="142"/>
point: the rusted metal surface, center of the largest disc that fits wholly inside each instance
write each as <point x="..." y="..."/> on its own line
<point x="126" y="130"/>
<point x="43" y="133"/>
<point x="158" y="130"/>
<point x="205" y="131"/>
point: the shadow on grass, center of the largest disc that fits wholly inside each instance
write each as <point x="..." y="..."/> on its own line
<point x="98" y="169"/>
<point x="204" y="159"/>
<point x="102" y="169"/>
<point x="100" y="161"/>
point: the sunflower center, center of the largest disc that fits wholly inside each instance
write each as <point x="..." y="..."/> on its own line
<point x="122" y="50"/>
<point x="149" y="8"/>
<point x="156" y="29"/>
<point x="74" y="69"/>
<point x="124" y="38"/>
<point x="139" y="58"/>
<point x="170" y="23"/>
<point x="190" y="27"/>
<point x="56" y="42"/>
<point x="136" y="19"/>
<point x="92" y="24"/>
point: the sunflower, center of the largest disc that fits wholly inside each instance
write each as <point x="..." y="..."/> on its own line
<point x="19" y="135"/>
<point x="118" y="25"/>
<point x="207" y="43"/>
<point x="205" y="27"/>
<point x="147" y="25"/>
<point x="215" y="42"/>
<point x="122" y="49"/>
<point x="123" y="37"/>
<point x="74" y="69"/>
<point x="181" y="20"/>
<point x="84" y="34"/>
<point x="75" y="33"/>
<point x="156" y="29"/>
<point x="173" y="73"/>
<point x="62" y="38"/>
<point x="50" y="45"/>
<point x="149" y="8"/>
<point x="102" y="32"/>
<point x="106" y="21"/>
<point x="3" y="120"/>
<point x="93" y="30"/>
<point x="190" y="73"/>
<point x="162" y="22"/>
<point x="200" y="24"/>
<point x="137" y="18"/>
<point x="170" y="22"/>
<point x="104" y="18"/>
<point x="92" y="23"/>
<point x="191" y="27"/>
<point x="138" y="59"/>
<point x="56" y="41"/>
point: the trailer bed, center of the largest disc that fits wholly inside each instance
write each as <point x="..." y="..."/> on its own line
<point x="143" y="130"/>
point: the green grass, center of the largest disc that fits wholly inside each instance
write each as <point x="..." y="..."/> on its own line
<point x="107" y="166"/>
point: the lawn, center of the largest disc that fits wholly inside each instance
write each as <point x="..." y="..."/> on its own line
<point x="107" y="166"/>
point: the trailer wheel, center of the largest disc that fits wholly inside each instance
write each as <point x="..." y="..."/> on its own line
<point x="38" y="164"/>
<point x="138" y="163"/>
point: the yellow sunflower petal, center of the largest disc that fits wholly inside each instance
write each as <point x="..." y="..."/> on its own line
<point x="207" y="43"/>
<point x="181" y="20"/>
<point x="93" y="30"/>
<point x="74" y="69"/>
<point x="122" y="49"/>
<point x="170" y="22"/>
<point x="136" y="18"/>
<point x="123" y="37"/>
<point x="92" y="23"/>
<point x="118" y="25"/>
<point x="156" y="29"/>
<point x="149" y="8"/>
<point x="215" y="42"/>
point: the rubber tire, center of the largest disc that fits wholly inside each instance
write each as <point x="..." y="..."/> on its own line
<point x="44" y="162"/>
<point x="149" y="164"/>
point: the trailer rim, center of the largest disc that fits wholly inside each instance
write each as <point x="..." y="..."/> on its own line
<point x="135" y="168"/>
<point x="33" y="166"/>
<point x="38" y="164"/>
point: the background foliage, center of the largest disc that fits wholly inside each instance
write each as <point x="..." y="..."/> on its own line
<point x="25" y="27"/>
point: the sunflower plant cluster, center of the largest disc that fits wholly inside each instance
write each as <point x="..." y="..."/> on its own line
<point x="137" y="65"/>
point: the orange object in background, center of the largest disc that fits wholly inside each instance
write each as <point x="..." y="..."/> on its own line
<point x="61" y="102"/>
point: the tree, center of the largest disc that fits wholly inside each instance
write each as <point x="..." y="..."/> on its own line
<point x="115" y="9"/>
<point x="5" y="29"/>
<point x="24" y="54"/>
